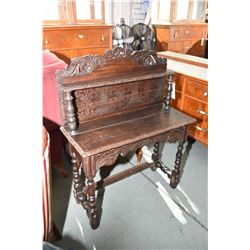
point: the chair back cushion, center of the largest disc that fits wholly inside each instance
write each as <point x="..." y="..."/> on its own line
<point x="51" y="106"/>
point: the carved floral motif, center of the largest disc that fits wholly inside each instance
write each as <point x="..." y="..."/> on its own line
<point x="85" y="65"/>
<point x="104" y="100"/>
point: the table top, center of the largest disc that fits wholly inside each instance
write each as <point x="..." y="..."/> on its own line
<point x="186" y="64"/>
<point x="107" y="133"/>
<point x="195" y="60"/>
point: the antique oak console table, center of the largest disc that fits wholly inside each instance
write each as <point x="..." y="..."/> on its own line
<point x="113" y="104"/>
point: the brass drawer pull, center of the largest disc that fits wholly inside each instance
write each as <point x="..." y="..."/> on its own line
<point x="205" y="93"/>
<point x="202" y="41"/>
<point x="102" y="38"/>
<point x="205" y="130"/>
<point x="46" y="42"/>
<point x="201" y="111"/>
<point x="80" y="36"/>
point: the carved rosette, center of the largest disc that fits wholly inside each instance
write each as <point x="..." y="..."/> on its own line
<point x="85" y="65"/>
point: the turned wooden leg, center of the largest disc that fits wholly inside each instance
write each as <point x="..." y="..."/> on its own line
<point x="78" y="186"/>
<point x="175" y="175"/>
<point x="92" y="210"/>
<point x="91" y="198"/>
<point x="155" y="156"/>
<point x="139" y="155"/>
<point x="176" y="172"/>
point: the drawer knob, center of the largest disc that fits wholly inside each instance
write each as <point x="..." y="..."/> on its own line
<point x="102" y="38"/>
<point x="175" y="34"/>
<point x="205" y="93"/>
<point x="201" y="111"/>
<point x="187" y="31"/>
<point x="187" y="47"/>
<point x="205" y="130"/>
<point x="80" y="36"/>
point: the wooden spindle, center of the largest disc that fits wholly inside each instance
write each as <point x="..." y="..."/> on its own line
<point x="170" y="81"/>
<point x="70" y="113"/>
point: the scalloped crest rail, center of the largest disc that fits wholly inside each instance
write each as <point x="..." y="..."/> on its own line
<point x="111" y="105"/>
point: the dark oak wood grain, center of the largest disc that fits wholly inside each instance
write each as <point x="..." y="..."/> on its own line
<point x="111" y="105"/>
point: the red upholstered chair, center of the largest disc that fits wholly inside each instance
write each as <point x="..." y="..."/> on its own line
<point x="50" y="231"/>
<point x="51" y="109"/>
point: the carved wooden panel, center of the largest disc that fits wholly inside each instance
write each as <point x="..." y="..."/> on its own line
<point x="109" y="157"/>
<point x="119" y="80"/>
<point x="85" y="65"/>
<point x="95" y="102"/>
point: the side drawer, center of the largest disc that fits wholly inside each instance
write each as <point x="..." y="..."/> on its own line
<point x="195" y="108"/>
<point x="180" y="47"/>
<point x="196" y="89"/>
<point x="198" y="32"/>
<point x="199" y="131"/>
<point x="180" y="33"/>
<point x="75" y="38"/>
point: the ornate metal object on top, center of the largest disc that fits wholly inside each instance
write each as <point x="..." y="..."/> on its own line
<point x="144" y="37"/>
<point x="139" y="37"/>
<point x="122" y="35"/>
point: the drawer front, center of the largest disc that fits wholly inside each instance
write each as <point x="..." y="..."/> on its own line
<point x="75" y="38"/>
<point x="196" y="89"/>
<point x="187" y="32"/>
<point x="195" y="108"/>
<point x="199" y="32"/>
<point x="180" y="33"/>
<point x="199" y="131"/>
<point x="180" y="47"/>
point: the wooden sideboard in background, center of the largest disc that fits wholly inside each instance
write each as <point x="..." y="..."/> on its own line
<point x="182" y="38"/>
<point x="71" y="41"/>
<point x="190" y="91"/>
<point x="192" y="99"/>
